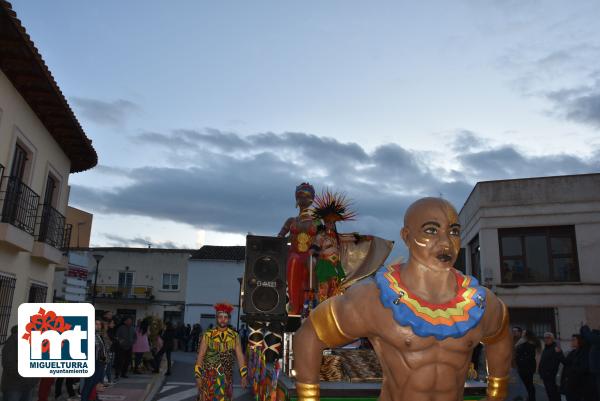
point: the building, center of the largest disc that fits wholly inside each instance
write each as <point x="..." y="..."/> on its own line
<point x="214" y="275"/>
<point x="136" y="282"/>
<point x="536" y="243"/>
<point x="81" y="223"/>
<point x="41" y="143"/>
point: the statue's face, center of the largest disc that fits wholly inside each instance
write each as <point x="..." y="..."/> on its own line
<point x="304" y="199"/>
<point x="432" y="234"/>
<point x="222" y="320"/>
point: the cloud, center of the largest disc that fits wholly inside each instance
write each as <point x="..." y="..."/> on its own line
<point x="578" y="104"/>
<point x="113" y="113"/>
<point x="231" y="183"/>
<point x="118" y="241"/>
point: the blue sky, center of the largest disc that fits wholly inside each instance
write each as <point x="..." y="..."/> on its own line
<point x="206" y="115"/>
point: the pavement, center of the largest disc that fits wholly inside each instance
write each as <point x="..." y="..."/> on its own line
<point x="181" y="385"/>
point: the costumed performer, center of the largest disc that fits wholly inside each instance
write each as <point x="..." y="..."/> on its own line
<point x="214" y="364"/>
<point x="302" y="229"/>
<point x="423" y="318"/>
<point x="331" y="208"/>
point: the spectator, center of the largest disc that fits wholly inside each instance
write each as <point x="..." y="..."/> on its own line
<point x="168" y="341"/>
<point x="525" y="361"/>
<point x="592" y="337"/>
<point x="574" y="375"/>
<point x="549" y="364"/>
<point x="195" y="337"/>
<point x="125" y="338"/>
<point x="141" y="344"/>
<point x="187" y="337"/>
<point x="244" y="337"/>
<point x="14" y="386"/>
<point x="107" y="326"/>
<point x="101" y="357"/>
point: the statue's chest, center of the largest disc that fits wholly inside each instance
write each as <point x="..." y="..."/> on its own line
<point x="454" y="319"/>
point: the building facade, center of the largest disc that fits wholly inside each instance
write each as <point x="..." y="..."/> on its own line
<point x="41" y="143"/>
<point x="214" y="275"/>
<point x="136" y="282"/>
<point x="536" y="243"/>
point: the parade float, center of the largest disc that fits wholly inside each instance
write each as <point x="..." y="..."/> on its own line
<point x="350" y="372"/>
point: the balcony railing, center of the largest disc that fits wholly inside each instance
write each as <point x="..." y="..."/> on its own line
<point x="52" y="227"/>
<point x="66" y="244"/>
<point x="20" y="204"/>
<point x="113" y="291"/>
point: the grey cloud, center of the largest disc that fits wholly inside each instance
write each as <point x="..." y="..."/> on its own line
<point x="579" y="104"/>
<point x="118" y="241"/>
<point x="251" y="189"/>
<point x="104" y="113"/>
<point x="507" y="162"/>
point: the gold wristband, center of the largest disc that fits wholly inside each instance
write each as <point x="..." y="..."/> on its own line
<point x="307" y="392"/>
<point x="497" y="388"/>
<point x="326" y="325"/>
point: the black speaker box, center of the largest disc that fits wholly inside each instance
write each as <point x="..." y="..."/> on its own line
<point x="265" y="279"/>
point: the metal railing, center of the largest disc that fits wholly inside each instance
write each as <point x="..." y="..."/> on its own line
<point x="133" y="292"/>
<point x="7" y="289"/>
<point x="20" y="204"/>
<point x="66" y="244"/>
<point x="52" y="227"/>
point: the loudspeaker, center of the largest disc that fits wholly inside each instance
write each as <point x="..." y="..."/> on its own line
<point x="265" y="278"/>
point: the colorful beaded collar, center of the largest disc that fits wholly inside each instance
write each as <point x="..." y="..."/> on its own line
<point x="451" y="319"/>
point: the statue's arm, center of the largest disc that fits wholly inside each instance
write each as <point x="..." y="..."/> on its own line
<point x="498" y="346"/>
<point x="337" y="321"/>
<point x="286" y="227"/>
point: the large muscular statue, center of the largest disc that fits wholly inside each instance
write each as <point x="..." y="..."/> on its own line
<point x="423" y="318"/>
<point x="302" y="229"/>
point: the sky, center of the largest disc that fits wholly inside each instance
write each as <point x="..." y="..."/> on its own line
<point x="206" y="115"/>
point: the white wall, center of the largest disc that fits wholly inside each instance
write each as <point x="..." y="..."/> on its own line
<point x="17" y="120"/>
<point x="210" y="282"/>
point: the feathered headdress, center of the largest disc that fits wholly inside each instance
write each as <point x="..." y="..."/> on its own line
<point x="333" y="206"/>
<point x="223" y="307"/>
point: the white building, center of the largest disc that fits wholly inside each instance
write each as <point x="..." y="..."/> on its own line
<point x="214" y="275"/>
<point x="136" y="282"/>
<point x="536" y="242"/>
<point x="41" y="143"/>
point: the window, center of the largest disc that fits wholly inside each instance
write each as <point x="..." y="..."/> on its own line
<point x="538" y="254"/>
<point x="37" y="293"/>
<point x="536" y="320"/>
<point x="20" y="158"/>
<point x="170" y="281"/>
<point x="475" y="258"/>
<point x="125" y="283"/>
<point x="7" y="289"/>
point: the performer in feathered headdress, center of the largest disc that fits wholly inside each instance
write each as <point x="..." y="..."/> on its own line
<point x="302" y="230"/>
<point x="214" y="365"/>
<point x="331" y="208"/>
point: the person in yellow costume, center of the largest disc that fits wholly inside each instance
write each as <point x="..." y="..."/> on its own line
<point x="214" y="364"/>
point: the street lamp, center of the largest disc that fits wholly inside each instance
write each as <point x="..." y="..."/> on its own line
<point x="98" y="259"/>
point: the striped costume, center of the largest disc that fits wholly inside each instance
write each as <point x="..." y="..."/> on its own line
<point x="217" y="365"/>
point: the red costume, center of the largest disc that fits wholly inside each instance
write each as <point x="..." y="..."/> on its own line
<point x="302" y="230"/>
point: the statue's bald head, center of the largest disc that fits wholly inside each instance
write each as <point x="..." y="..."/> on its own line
<point x="416" y="209"/>
<point x="431" y="231"/>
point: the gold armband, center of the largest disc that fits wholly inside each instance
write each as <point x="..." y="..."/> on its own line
<point x="307" y="392"/>
<point x="498" y="334"/>
<point x="497" y="387"/>
<point x="197" y="371"/>
<point x="326" y="326"/>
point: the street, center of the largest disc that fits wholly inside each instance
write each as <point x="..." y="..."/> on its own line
<point x="181" y="385"/>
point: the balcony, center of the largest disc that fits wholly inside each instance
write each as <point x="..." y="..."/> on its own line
<point x="50" y="239"/>
<point x="107" y="293"/>
<point x="19" y="212"/>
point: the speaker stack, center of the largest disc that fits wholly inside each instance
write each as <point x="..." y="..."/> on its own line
<point x="264" y="301"/>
